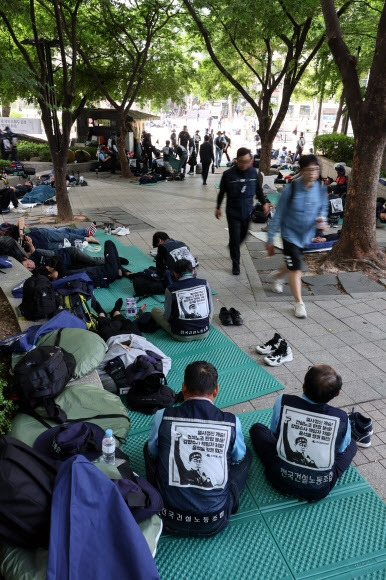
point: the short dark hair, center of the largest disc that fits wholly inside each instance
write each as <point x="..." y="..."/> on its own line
<point x="242" y="151"/>
<point x="206" y="138"/>
<point x="322" y="383"/>
<point x="200" y="377"/>
<point x="159" y="236"/>
<point x="182" y="266"/>
<point x="306" y="160"/>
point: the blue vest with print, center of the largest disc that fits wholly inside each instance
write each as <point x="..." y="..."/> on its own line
<point x="171" y="245"/>
<point x="195" y="443"/>
<point x="190" y="306"/>
<point x="310" y="452"/>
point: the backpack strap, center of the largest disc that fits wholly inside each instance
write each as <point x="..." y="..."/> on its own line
<point x="292" y="194"/>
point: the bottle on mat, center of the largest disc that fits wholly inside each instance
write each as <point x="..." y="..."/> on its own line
<point x="108" y="447"/>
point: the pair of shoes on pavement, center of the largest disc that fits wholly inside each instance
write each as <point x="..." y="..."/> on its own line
<point x="361" y="428"/>
<point x="121" y="231"/>
<point x="277" y="350"/>
<point x="230" y="317"/>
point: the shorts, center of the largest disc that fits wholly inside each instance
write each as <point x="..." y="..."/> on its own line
<point x="292" y="255"/>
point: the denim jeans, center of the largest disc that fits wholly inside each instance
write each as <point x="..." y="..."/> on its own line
<point x="219" y="153"/>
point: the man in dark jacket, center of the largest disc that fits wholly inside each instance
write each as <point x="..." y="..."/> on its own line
<point x="240" y="184"/>
<point x="188" y="305"/>
<point x="206" y="158"/>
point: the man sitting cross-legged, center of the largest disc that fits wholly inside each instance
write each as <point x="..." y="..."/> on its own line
<point x="197" y="458"/>
<point x="188" y="305"/>
<point x="308" y="446"/>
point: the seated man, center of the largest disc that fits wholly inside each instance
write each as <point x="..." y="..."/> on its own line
<point x="197" y="458"/>
<point x="188" y="305"/>
<point x="169" y="251"/>
<point x="46" y="238"/>
<point x="308" y="446"/>
<point x="104" y="159"/>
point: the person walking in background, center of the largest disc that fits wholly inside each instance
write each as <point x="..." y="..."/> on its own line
<point x="206" y="158"/>
<point x="302" y="208"/>
<point x="240" y="184"/>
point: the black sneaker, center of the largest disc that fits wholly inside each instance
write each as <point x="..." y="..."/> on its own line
<point x="271" y="345"/>
<point x="281" y="355"/>
<point x="236" y="317"/>
<point x="225" y="317"/>
<point x="361" y="428"/>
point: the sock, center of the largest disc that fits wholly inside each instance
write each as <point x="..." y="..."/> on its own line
<point x="96" y="306"/>
<point x="117" y="306"/>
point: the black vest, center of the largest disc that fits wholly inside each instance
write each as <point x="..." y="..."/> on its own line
<point x="190" y="307"/>
<point x="308" y="438"/>
<point x="176" y="250"/>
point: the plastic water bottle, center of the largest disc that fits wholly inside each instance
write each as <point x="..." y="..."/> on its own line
<point x="108" y="447"/>
<point x="131" y="307"/>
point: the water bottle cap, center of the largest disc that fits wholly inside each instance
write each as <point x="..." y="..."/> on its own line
<point x="109" y="432"/>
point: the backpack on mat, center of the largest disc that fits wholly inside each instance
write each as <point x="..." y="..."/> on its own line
<point x="41" y="375"/>
<point x="39" y="299"/>
<point x="73" y="293"/>
<point x="26" y="487"/>
<point x="147" y="283"/>
<point x="149" y="390"/>
<point x="77" y="304"/>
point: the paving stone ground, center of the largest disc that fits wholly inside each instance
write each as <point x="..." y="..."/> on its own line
<point x="347" y="332"/>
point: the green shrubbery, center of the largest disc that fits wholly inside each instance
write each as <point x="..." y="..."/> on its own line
<point x="7" y="408"/>
<point x="26" y="150"/>
<point x="336" y="146"/>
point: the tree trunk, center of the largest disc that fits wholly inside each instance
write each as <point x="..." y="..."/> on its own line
<point x="5" y="109"/>
<point x="319" y="112"/>
<point x="59" y="159"/>
<point x="358" y="239"/>
<point x="266" y="149"/>
<point x="121" y="144"/>
<point x="338" y="114"/>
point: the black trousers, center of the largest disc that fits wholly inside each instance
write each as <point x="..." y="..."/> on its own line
<point x="6" y="197"/>
<point x="238" y="229"/>
<point x="205" y="171"/>
<point x="108" y="327"/>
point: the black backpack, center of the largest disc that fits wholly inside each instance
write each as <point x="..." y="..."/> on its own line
<point x="26" y="486"/>
<point x="39" y="298"/>
<point x="149" y="391"/>
<point x="147" y="283"/>
<point x="41" y="375"/>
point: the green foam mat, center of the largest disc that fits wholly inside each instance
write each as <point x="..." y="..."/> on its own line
<point x="341" y="537"/>
<point x="240" y="377"/>
<point x="245" y="550"/>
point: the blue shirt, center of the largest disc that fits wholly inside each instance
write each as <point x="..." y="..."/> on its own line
<point x="296" y="214"/>
<point x="276" y="416"/>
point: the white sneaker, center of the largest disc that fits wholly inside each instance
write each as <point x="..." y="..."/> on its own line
<point x="300" y="310"/>
<point x="277" y="283"/>
<point x="18" y="210"/>
<point x="124" y="232"/>
<point x="116" y="231"/>
<point x="271" y="345"/>
<point x="281" y="355"/>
